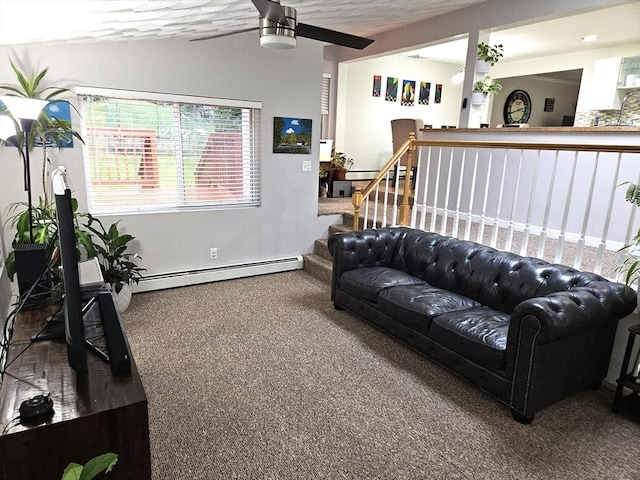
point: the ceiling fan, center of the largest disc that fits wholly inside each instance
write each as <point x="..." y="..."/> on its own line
<point x="279" y="27"/>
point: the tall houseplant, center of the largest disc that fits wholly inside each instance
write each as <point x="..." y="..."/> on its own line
<point x="50" y="130"/>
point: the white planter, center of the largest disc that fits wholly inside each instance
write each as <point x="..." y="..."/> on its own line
<point x="477" y="98"/>
<point x="482" y="66"/>
<point x="123" y="299"/>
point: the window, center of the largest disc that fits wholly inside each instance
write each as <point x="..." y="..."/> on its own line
<point x="147" y="152"/>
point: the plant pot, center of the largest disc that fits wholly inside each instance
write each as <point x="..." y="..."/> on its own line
<point x="123" y="298"/>
<point x="482" y="66"/>
<point x="477" y="98"/>
<point x="339" y="174"/>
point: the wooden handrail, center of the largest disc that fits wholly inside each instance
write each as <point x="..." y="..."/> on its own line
<point x="409" y="147"/>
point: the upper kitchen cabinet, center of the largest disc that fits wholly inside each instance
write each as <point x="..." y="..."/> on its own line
<point x="604" y="84"/>
<point x="611" y="78"/>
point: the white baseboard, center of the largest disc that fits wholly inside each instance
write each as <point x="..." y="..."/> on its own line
<point x="228" y="272"/>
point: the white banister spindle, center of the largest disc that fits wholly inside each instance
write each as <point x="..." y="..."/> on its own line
<point x="472" y="193"/>
<point x="425" y="191"/>
<point x="485" y="199"/>
<point x="436" y="192"/>
<point x="496" y="223"/>
<point x="577" y="261"/>
<point x="545" y="221"/>
<point x="567" y="206"/>
<point x="456" y="216"/>
<point x="445" y="208"/>
<point x="512" y="217"/>
<point x="607" y="219"/>
<point x="417" y="185"/>
<point x="524" y="247"/>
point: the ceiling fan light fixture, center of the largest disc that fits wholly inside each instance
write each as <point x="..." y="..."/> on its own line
<point x="277" y="35"/>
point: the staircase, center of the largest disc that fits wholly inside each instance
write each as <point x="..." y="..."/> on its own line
<point x="320" y="263"/>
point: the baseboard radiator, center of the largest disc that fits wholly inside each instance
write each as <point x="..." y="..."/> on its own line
<point x="216" y="274"/>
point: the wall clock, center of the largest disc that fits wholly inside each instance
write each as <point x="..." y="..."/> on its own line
<point x="517" y="108"/>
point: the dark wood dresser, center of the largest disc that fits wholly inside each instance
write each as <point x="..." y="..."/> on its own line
<point x="93" y="414"/>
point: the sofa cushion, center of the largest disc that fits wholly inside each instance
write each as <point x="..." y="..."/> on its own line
<point x="480" y="334"/>
<point x="366" y="283"/>
<point x="416" y="305"/>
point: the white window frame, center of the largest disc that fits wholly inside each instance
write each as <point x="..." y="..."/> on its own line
<point x="251" y="149"/>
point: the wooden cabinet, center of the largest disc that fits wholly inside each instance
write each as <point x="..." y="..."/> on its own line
<point x="93" y="414"/>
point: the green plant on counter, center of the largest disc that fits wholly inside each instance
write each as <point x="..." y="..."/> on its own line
<point x="101" y="463"/>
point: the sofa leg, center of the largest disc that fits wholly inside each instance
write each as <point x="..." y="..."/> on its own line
<point x="520" y="418"/>
<point x="337" y="307"/>
<point x="596" y="386"/>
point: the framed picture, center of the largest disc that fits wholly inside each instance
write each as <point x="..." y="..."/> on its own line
<point x="60" y="111"/>
<point x="392" y="89"/>
<point x="408" y="93"/>
<point x="425" y="90"/>
<point x="292" y="135"/>
<point x="377" y="85"/>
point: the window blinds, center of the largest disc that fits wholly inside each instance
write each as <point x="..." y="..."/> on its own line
<point x="156" y="152"/>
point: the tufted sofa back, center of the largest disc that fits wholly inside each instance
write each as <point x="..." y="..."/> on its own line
<point x="500" y="280"/>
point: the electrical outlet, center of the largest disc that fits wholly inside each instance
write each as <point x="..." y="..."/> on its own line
<point x="306" y="165"/>
<point x="213" y="253"/>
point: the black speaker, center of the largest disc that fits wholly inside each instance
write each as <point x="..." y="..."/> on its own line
<point x="31" y="267"/>
<point x="119" y="356"/>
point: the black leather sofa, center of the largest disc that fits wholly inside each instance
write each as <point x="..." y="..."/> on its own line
<point x="528" y="332"/>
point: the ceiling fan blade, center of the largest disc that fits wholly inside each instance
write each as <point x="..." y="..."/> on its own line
<point x="224" y="34"/>
<point x="331" y="36"/>
<point x="271" y="11"/>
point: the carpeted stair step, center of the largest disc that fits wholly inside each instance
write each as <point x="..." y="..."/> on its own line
<point x="318" y="266"/>
<point x="322" y="249"/>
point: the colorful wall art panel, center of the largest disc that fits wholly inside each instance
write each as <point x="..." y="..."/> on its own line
<point x="392" y="89"/>
<point x="437" y="98"/>
<point x="377" y="85"/>
<point x="425" y="90"/>
<point x="292" y="135"/>
<point x="408" y="93"/>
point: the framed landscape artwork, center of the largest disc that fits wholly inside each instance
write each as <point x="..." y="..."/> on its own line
<point x="292" y="135"/>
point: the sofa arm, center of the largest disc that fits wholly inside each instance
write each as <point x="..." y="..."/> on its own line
<point x="366" y="248"/>
<point x="567" y="313"/>
<point x="561" y="343"/>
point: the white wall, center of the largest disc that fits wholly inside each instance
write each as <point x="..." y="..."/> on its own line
<point x="287" y="82"/>
<point x="363" y="123"/>
<point x="539" y="88"/>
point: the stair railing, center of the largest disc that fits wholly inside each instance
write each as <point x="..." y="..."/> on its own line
<point x="561" y="202"/>
<point x="366" y="197"/>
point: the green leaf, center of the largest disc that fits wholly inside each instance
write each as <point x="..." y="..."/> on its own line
<point x="99" y="464"/>
<point x="72" y="472"/>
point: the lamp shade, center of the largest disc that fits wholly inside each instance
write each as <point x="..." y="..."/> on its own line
<point x="22" y="108"/>
<point x="7" y="128"/>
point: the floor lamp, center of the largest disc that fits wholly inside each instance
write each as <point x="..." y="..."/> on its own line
<point x="25" y="111"/>
<point x="30" y="259"/>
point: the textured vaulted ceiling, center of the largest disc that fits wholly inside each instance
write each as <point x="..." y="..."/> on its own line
<point x="36" y="21"/>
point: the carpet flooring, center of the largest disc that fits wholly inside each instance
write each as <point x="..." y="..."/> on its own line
<point x="261" y="378"/>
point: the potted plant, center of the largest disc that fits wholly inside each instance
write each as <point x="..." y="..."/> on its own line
<point x="630" y="267"/>
<point x="488" y="56"/>
<point x="49" y="130"/>
<point x="118" y="266"/>
<point x="340" y="164"/>
<point x="482" y="88"/>
<point x="101" y="463"/>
